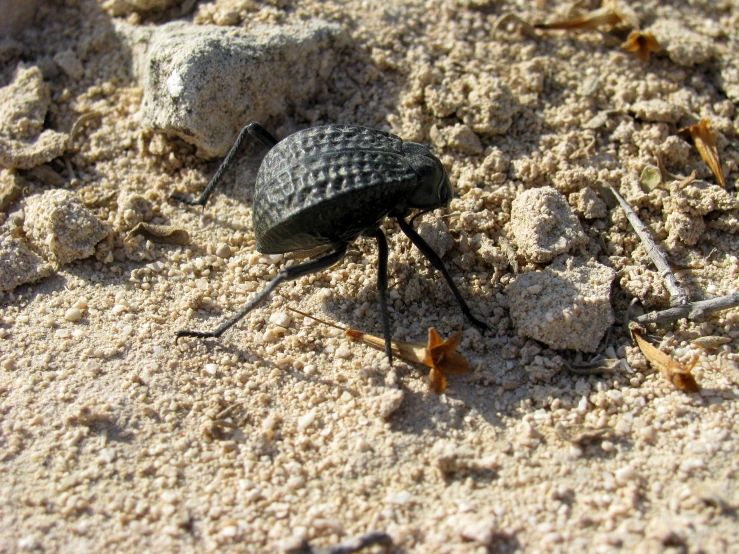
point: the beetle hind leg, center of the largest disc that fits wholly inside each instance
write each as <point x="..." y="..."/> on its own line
<point x="255" y="130"/>
<point x="382" y="289"/>
<point x="288" y="274"/>
<point x="436" y="261"/>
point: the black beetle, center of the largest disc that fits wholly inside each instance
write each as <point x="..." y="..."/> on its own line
<point x="326" y="186"/>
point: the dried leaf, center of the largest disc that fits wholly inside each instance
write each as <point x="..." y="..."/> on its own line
<point x="710" y="342"/>
<point x="651" y="178"/>
<point x="641" y="44"/>
<point x="165" y="234"/>
<point x="609" y="15"/>
<point x="581" y="434"/>
<point x="674" y="371"/>
<point x="705" y="141"/>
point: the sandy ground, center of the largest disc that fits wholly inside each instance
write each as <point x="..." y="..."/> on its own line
<point x="114" y="438"/>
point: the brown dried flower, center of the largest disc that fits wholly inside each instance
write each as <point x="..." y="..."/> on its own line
<point x="441" y="356"/>
<point x="642" y="44"/>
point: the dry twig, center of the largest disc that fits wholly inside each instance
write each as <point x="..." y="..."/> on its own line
<point x="678" y="296"/>
<point x="691" y="310"/>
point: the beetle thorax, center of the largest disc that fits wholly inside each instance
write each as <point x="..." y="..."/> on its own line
<point x="434" y="189"/>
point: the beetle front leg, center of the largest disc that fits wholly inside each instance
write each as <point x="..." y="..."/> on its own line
<point x="256" y="131"/>
<point x="435" y="260"/>
<point x="288" y="274"/>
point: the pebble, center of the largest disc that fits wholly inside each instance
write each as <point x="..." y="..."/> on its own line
<point x="343" y="352"/>
<point x="625" y="474"/>
<point x="281" y="319"/>
<point x="73" y="314"/>
<point x="223" y="250"/>
<point x="211" y="369"/>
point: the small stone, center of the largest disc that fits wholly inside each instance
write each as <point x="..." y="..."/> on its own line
<point x="19" y="264"/>
<point x="73" y="314"/>
<point x="24" y="143"/>
<point x="573" y="308"/>
<point x="684" y="46"/>
<point x="343" y="352"/>
<point x="436" y="233"/>
<point x="70" y="64"/>
<point x="588" y="204"/>
<point x="544" y="225"/>
<point x="477" y="528"/>
<point x="625" y="474"/>
<point x="223" y="250"/>
<point x="61" y="227"/>
<point x="463" y="139"/>
<point x="281" y="319"/>
<point x="657" y="110"/>
<point x="10" y="190"/>
<point x="211" y="369"/>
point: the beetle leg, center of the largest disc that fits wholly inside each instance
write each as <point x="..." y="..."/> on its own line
<point x="255" y="130"/>
<point x="382" y="288"/>
<point x="288" y="274"/>
<point x="435" y="260"/>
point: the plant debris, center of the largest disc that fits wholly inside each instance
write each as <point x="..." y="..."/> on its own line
<point x="704" y="140"/>
<point x="164" y="234"/>
<point x="674" y="371"/>
<point x="710" y="342"/>
<point x="642" y="44"/>
<point x="581" y="434"/>
<point x="441" y="356"/>
<point x="610" y="15"/>
<point x="598" y="367"/>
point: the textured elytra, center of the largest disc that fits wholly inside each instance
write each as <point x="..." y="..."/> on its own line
<point x="327" y="185"/>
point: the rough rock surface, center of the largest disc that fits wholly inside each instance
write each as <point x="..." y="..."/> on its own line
<point x="684" y="46"/>
<point x="588" y="204"/>
<point x="23" y="106"/>
<point x="61" y="227"/>
<point x="544" y="225"/>
<point x="19" y="264"/>
<point x="16" y="16"/>
<point x="198" y="77"/>
<point x="10" y="190"/>
<point x="685" y="207"/>
<point x="567" y="305"/>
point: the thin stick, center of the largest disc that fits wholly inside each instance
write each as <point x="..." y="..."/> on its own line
<point x="691" y="310"/>
<point x="678" y="296"/>
<point x="314" y="318"/>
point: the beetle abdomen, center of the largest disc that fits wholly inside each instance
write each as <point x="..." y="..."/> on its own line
<point x="321" y="187"/>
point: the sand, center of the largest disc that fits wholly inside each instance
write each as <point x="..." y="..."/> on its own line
<point x="114" y="438"/>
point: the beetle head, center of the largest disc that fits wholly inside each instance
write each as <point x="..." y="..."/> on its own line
<point x="434" y="189"/>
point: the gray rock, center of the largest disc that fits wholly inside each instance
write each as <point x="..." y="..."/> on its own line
<point x="204" y="83"/>
<point x="16" y="15"/>
<point x="544" y="225"/>
<point x="565" y="306"/>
